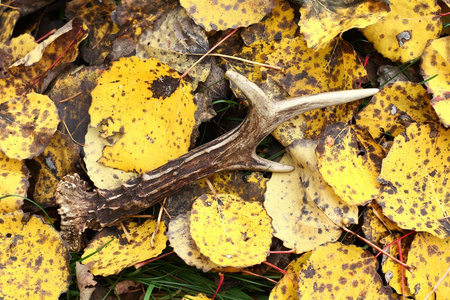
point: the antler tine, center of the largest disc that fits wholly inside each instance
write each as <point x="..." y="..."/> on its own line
<point x="234" y="150"/>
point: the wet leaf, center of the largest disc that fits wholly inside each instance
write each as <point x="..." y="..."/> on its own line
<point x="350" y="161"/>
<point x="430" y="256"/>
<point x="436" y="61"/>
<point x="321" y="21"/>
<point x="149" y="107"/>
<point x="403" y="34"/>
<point x="108" y="261"/>
<point x="298" y="222"/>
<point x="414" y="176"/>
<point x="337" y="271"/>
<point x="231" y="231"/>
<point x="14" y="181"/>
<point x="227" y="13"/>
<point x="395" y="106"/>
<point x="32" y="254"/>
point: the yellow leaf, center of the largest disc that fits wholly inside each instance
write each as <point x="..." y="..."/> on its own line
<point x="27" y="124"/>
<point x="337" y="271"/>
<point x="14" y="181"/>
<point x="227" y="13"/>
<point x="8" y="21"/>
<point x="321" y="21"/>
<point x="286" y="288"/>
<point x="102" y="176"/>
<point x="291" y="130"/>
<point x="436" y="61"/>
<point x="394" y="106"/>
<point x="231" y="231"/>
<point x="318" y="190"/>
<point x="198" y="297"/>
<point x="34" y="259"/>
<point x="350" y="161"/>
<point x="415" y="174"/>
<point x="298" y="222"/>
<point x="430" y="257"/>
<point x="403" y="34"/>
<point x="14" y="49"/>
<point x="121" y="253"/>
<point x="149" y="107"/>
<point x="277" y="25"/>
<point x="184" y="246"/>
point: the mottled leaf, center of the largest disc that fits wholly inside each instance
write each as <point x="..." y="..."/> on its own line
<point x="13" y="181"/>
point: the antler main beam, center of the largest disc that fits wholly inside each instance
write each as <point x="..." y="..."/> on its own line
<point x="235" y="150"/>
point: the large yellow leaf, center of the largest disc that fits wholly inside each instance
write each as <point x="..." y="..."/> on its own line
<point x="227" y="13"/>
<point x="430" y="257"/>
<point x="322" y="20"/>
<point x="27" y="124"/>
<point x="350" y="161"/>
<point x="296" y="219"/>
<point x="403" y="34"/>
<point x="337" y="271"/>
<point x="13" y="181"/>
<point x="122" y="253"/>
<point x="415" y="175"/>
<point x="394" y="106"/>
<point x="436" y="61"/>
<point x="231" y="231"/>
<point x="149" y="107"/>
<point x="34" y="259"/>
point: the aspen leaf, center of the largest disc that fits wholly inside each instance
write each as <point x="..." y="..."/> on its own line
<point x="338" y="271"/>
<point x="8" y="20"/>
<point x="14" y="49"/>
<point x="394" y="106"/>
<point x="150" y="107"/>
<point x="430" y="258"/>
<point x="28" y="123"/>
<point x="121" y="253"/>
<point x="286" y="288"/>
<point x="227" y="13"/>
<point x="200" y="296"/>
<point x="403" y="34"/>
<point x="34" y="258"/>
<point x="102" y="176"/>
<point x="184" y="246"/>
<point x="296" y="220"/>
<point x="231" y="231"/>
<point x="13" y="181"/>
<point x="318" y="190"/>
<point x="321" y="21"/>
<point x="414" y="174"/>
<point x="350" y="161"/>
<point x="290" y="131"/>
<point x="278" y="24"/>
<point x="436" y="61"/>
<point x="173" y="37"/>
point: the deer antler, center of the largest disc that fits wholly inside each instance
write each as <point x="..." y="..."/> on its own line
<point x="235" y="150"/>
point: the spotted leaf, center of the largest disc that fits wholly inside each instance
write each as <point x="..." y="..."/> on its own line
<point x="13" y="181"/>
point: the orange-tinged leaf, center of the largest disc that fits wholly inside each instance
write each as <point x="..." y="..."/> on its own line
<point x="415" y="174"/>
<point x="430" y="257"/>
<point x="34" y="258"/>
<point x="14" y="181"/>
<point x="338" y="271"/>
<point x="303" y="153"/>
<point x="350" y="161"/>
<point x="436" y="61"/>
<point x="321" y="21"/>
<point x="286" y="288"/>
<point x="227" y="13"/>
<point x="121" y="253"/>
<point x="151" y="110"/>
<point x="277" y="25"/>
<point x="231" y="231"/>
<point x="27" y="124"/>
<point x="403" y="34"/>
<point x="394" y="106"/>
<point x="184" y="246"/>
<point x="298" y="222"/>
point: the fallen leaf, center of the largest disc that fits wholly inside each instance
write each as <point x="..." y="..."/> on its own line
<point x="8" y="20"/>
<point x="34" y="258"/>
<point x="13" y="50"/>
<point x="85" y="281"/>
<point x="14" y="181"/>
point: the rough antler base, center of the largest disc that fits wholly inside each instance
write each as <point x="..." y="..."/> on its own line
<point x="234" y="150"/>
